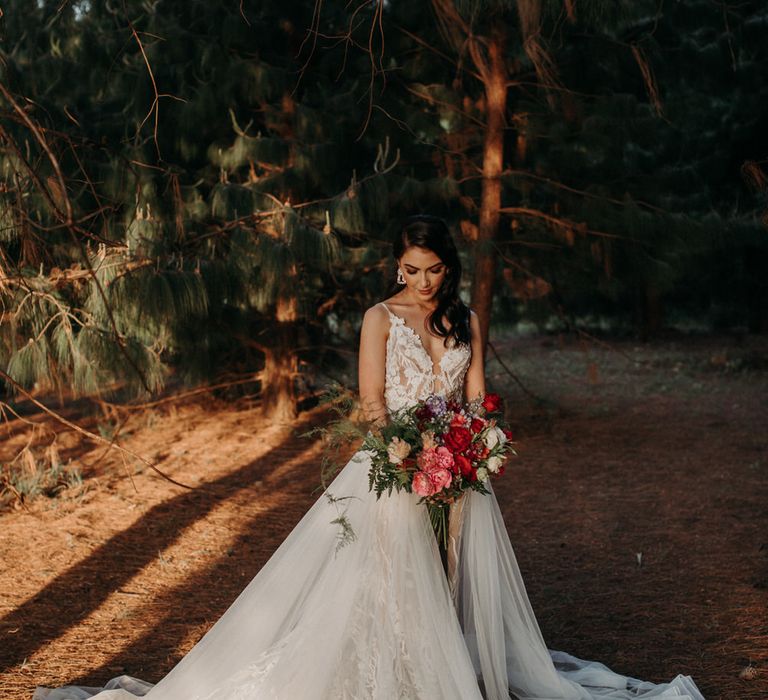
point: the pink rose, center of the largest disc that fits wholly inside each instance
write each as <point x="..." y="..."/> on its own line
<point x="422" y="484"/>
<point x="440" y="478"/>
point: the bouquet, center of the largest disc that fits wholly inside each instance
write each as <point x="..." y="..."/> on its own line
<point x="439" y="449"/>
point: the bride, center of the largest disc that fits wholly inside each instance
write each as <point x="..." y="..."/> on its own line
<point x="378" y="618"/>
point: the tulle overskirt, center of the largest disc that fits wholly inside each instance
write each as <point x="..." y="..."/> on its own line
<point x="375" y="619"/>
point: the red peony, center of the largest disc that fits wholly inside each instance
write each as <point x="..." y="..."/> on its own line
<point x="507" y="433"/>
<point x="457" y="439"/>
<point x="477" y="425"/>
<point x="473" y="474"/>
<point x="462" y="464"/>
<point x="492" y="402"/>
<point x="458" y="420"/>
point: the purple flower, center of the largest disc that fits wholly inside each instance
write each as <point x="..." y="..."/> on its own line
<point x="436" y="405"/>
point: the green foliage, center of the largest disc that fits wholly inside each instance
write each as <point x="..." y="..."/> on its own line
<point x="31" y="476"/>
<point x="207" y="202"/>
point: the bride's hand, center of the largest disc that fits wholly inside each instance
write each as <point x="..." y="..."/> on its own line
<point x="376" y="426"/>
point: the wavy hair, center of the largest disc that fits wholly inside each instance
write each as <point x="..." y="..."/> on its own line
<point x="431" y="233"/>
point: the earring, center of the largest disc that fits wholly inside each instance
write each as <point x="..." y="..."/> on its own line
<point x="400" y="278"/>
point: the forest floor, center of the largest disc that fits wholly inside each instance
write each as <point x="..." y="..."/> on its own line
<point x="637" y="507"/>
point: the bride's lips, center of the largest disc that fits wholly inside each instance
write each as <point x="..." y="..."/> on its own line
<point x="425" y="291"/>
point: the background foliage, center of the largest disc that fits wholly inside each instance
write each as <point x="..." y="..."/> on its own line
<point x="205" y="190"/>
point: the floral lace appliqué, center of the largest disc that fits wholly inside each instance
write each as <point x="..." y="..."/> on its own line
<point x="410" y="375"/>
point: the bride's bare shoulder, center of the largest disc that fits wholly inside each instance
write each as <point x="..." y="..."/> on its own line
<point x="397" y="304"/>
<point x="376" y="318"/>
<point x="378" y="314"/>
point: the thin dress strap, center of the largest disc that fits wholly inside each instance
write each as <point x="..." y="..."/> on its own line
<point x="393" y="317"/>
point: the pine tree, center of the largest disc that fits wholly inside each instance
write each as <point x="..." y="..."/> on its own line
<point x="210" y="189"/>
<point x="598" y="192"/>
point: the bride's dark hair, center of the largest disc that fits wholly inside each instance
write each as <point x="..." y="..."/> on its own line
<point x="431" y="233"/>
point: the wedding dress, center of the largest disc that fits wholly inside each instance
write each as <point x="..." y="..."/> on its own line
<point x="377" y="618"/>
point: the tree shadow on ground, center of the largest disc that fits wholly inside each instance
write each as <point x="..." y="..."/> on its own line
<point x="199" y="600"/>
<point x="82" y="588"/>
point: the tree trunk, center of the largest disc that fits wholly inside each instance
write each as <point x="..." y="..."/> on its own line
<point x="278" y="386"/>
<point x="278" y="378"/>
<point x="495" y="83"/>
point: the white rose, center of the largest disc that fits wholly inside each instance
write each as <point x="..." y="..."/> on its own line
<point x="494" y="436"/>
<point x="398" y="450"/>
<point x="494" y="463"/>
<point x="482" y="473"/>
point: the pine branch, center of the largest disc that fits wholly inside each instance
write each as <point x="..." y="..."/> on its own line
<point x="432" y="100"/>
<point x="155" y="107"/>
<point x="649" y="78"/>
<point x="250" y="379"/>
<point x="59" y="277"/>
<point x="88" y="433"/>
<point x="583" y="193"/>
<point x="54" y="161"/>
<point x="67" y="215"/>
<point x="558" y="221"/>
<point x="512" y="375"/>
<point x="444" y="56"/>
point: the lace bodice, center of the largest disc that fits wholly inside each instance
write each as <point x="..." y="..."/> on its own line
<point x="410" y="371"/>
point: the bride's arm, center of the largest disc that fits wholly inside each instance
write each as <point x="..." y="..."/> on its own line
<point x="373" y="349"/>
<point x="474" y="383"/>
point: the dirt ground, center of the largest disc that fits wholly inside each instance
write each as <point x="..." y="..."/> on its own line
<point x="638" y="509"/>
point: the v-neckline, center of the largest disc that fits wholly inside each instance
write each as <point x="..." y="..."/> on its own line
<point x="420" y="343"/>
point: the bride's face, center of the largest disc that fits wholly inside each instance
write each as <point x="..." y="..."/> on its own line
<point x="424" y="272"/>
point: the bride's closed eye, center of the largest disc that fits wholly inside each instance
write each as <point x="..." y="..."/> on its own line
<point x="437" y="269"/>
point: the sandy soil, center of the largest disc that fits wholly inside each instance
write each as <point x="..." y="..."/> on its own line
<point x="638" y="509"/>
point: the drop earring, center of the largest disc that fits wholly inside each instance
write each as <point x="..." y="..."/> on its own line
<point x="400" y="278"/>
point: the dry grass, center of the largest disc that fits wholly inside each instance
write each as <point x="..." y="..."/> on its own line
<point x="665" y="458"/>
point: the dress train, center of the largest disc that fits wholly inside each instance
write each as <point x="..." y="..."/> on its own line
<point x="503" y="635"/>
<point x="376" y="619"/>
